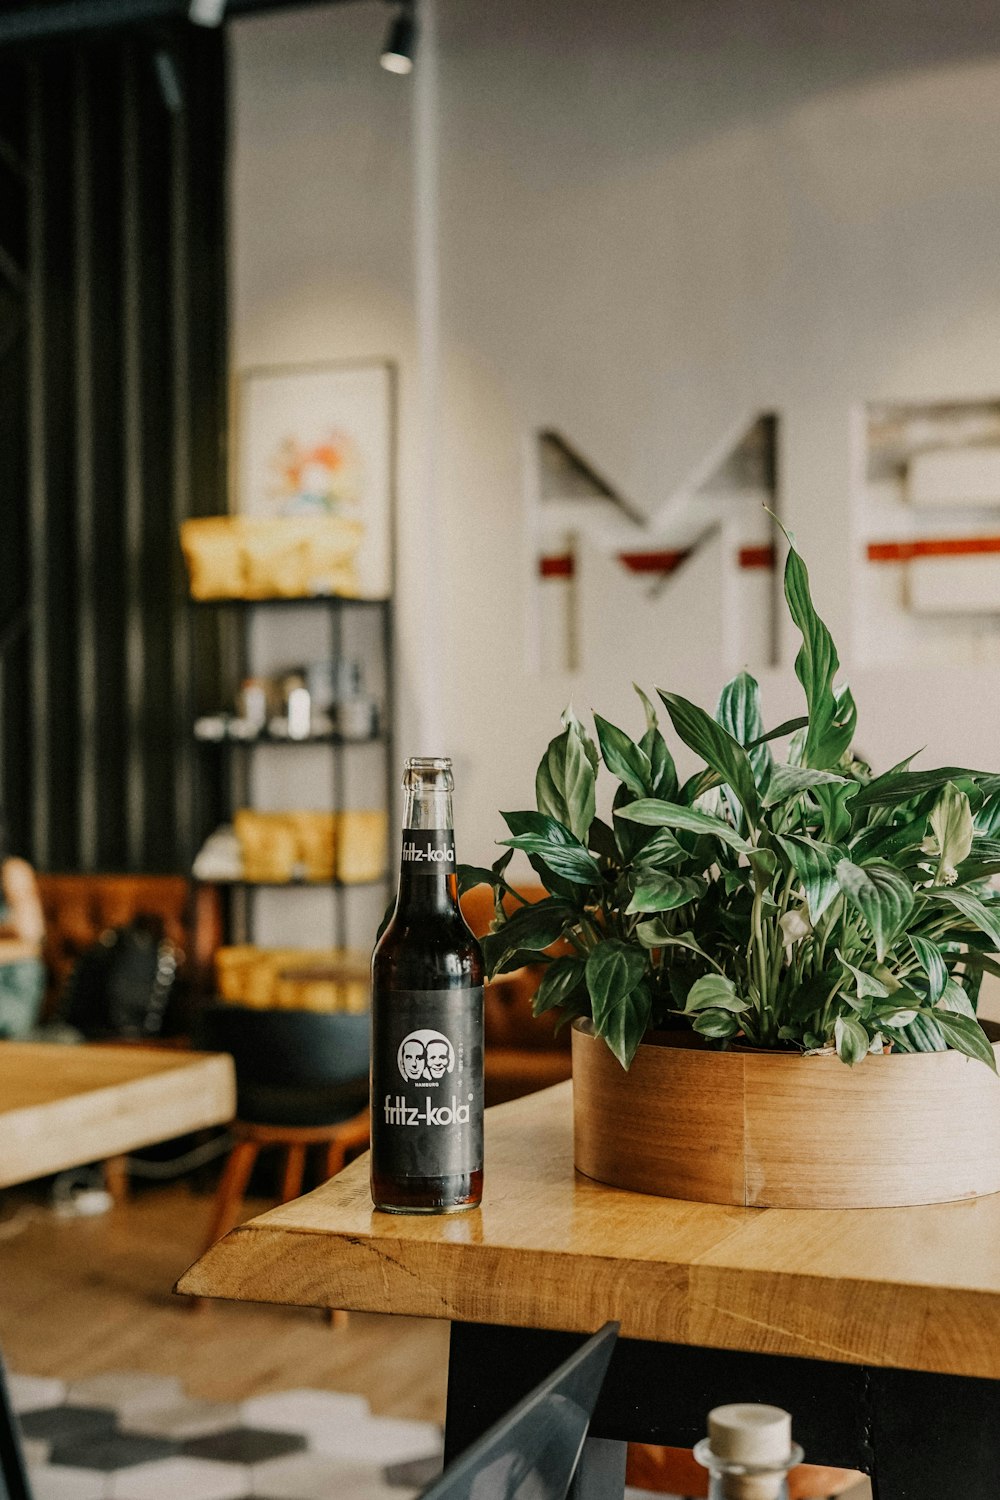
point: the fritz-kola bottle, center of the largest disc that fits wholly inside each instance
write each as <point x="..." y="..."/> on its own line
<point x="427" y="1020"/>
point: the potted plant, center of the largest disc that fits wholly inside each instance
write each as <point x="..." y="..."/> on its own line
<point x="781" y="954"/>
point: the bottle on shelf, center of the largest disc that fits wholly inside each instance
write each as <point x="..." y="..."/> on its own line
<point x="427" y="1020"/>
<point x="748" y="1452"/>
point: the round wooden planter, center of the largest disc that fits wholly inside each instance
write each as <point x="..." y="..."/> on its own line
<point x="782" y="1131"/>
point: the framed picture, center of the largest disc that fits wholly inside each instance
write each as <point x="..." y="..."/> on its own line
<point x="317" y="440"/>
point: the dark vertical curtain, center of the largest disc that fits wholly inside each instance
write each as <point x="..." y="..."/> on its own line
<point x="112" y="428"/>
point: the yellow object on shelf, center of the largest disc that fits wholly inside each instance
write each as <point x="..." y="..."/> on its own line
<point x="361" y="846"/>
<point x="312" y="846"/>
<point x="323" y="979"/>
<point x="264" y="557"/>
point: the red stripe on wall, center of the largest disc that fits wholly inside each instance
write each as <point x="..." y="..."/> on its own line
<point x="556" y="567"/>
<point x="653" y="562"/>
<point x="563" y="566"/>
<point x="756" y="557"/>
<point x="937" y="546"/>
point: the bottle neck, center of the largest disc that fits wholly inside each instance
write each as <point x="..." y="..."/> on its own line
<point x="427" y="873"/>
<point x="731" y="1486"/>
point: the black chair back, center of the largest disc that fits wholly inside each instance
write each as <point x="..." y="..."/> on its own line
<point x="301" y="1067"/>
<point x="533" y="1451"/>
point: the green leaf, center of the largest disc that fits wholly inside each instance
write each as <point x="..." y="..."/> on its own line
<point x="653" y="934"/>
<point x="922" y="1035"/>
<point x="930" y="959"/>
<point x="561" y="981"/>
<point x="866" y="984"/>
<point x="790" y="726"/>
<point x="648" y="707"/>
<point x="986" y="919"/>
<point x="981" y="963"/>
<point x="614" y="971"/>
<point x="739" y="714"/>
<point x="623" y="757"/>
<point x="718" y="1024"/>
<point x="565" y="784"/>
<point x="988" y="817"/>
<point x="882" y="895"/>
<point x="626" y="1024"/>
<point x="570" y="721"/>
<point x="664" y="892"/>
<point x="653" y="813"/>
<point x="954" y="999"/>
<point x="815" y="866"/>
<point x="966" y="1035"/>
<point x="659" y="851"/>
<point x="850" y="1039"/>
<point x="832" y="717"/>
<point x="951" y="820"/>
<point x="791" y="781"/>
<point x="888" y="842"/>
<point x="527" y="930"/>
<point x="663" y="772"/>
<point x="538" y="833"/>
<point x="903" y="786"/>
<point x="469" y="876"/>
<point x="717" y="748"/>
<point x="832" y="802"/>
<point x="714" y="992"/>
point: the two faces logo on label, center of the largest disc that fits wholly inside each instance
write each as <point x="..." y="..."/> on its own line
<point x="424" y="1058"/>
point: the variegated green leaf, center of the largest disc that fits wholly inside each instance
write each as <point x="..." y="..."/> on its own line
<point x="882" y="895"/>
<point x="653" y="813"/>
<point x="717" y="748"/>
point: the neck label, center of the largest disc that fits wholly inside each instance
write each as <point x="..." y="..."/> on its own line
<point x="429" y="848"/>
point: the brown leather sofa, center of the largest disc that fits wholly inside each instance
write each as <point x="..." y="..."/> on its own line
<point x="522" y="1054"/>
<point x="78" y="908"/>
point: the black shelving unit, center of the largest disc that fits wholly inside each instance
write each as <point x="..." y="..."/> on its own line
<point x="227" y="760"/>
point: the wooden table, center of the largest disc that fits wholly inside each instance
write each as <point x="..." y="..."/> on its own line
<point x="61" y="1106"/>
<point x="879" y="1329"/>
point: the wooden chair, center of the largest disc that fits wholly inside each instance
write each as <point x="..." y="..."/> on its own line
<point x="301" y="1082"/>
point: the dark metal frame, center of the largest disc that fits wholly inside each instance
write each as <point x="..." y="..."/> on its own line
<point x="919" y="1436"/>
<point x="225" y="783"/>
<point x="13" y="1471"/>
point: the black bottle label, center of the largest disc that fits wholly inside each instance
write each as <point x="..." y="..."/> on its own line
<point x="427" y="1082"/>
<point x="429" y="849"/>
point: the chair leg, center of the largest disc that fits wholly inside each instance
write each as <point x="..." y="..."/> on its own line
<point x="229" y="1194"/>
<point x="295" y="1166"/>
<point x="116" y="1178"/>
<point x="335" y="1153"/>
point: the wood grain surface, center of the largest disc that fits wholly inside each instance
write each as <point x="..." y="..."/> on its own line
<point x="917" y="1288"/>
<point x="61" y="1106"/>
<point x="778" y="1130"/>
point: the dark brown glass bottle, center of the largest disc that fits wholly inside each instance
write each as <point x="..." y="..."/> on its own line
<point x="427" y="1020"/>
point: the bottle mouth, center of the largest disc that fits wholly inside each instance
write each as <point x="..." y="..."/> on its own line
<point x="429" y="773"/>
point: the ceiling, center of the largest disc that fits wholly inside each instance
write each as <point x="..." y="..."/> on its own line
<point x="50" y="18"/>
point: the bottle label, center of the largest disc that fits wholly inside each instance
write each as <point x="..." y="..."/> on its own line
<point x="429" y="849"/>
<point x="427" y="1082"/>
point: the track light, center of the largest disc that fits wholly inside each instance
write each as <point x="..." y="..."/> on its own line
<point x="400" y="41"/>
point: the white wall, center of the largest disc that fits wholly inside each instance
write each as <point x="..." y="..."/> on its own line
<point x="654" y="221"/>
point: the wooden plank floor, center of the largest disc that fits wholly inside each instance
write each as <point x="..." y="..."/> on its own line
<point x="80" y="1296"/>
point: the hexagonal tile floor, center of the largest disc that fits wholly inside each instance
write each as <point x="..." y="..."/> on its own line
<point x="128" y="1436"/>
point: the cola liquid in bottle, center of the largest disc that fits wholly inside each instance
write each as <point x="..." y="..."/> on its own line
<point x="427" y="1020"/>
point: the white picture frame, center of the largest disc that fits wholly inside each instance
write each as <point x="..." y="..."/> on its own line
<point x="319" y="439"/>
